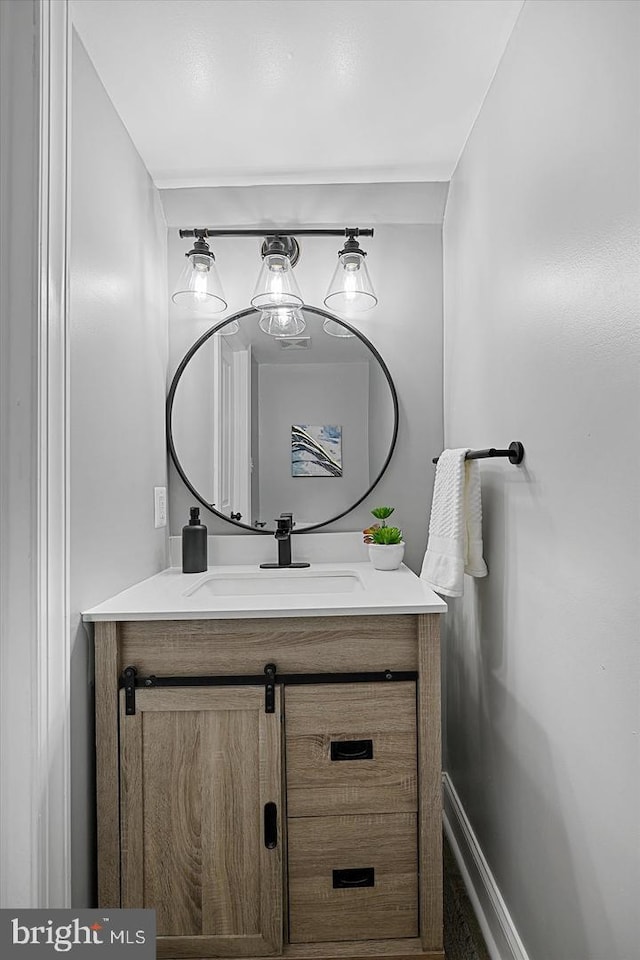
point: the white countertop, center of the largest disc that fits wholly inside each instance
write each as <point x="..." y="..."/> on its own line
<point x="169" y="595"/>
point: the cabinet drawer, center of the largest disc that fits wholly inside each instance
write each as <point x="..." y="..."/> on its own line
<point x="353" y="878"/>
<point x="351" y="748"/>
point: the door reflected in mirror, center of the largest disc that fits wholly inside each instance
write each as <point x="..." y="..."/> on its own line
<point x="262" y="424"/>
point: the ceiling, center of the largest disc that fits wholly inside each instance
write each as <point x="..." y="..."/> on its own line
<point x="318" y="205"/>
<point x="237" y="92"/>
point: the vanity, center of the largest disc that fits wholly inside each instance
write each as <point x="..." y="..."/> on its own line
<point x="268" y="740"/>
<point x="268" y="765"/>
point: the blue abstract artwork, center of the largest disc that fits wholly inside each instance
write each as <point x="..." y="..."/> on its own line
<point x="316" y="451"/>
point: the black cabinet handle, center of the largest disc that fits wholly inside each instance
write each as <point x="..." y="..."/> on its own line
<point x="352" y="749"/>
<point x="361" y="877"/>
<point x="270" y="826"/>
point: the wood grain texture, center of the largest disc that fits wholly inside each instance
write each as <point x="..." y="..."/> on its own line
<point x="407" y="949"/>
<point x="310" y="644"/>
<point x="320" y="845"/>
<point x="233" y="881"/>
<point x="198" y="765"/>
<point x="271" y="861"/>
<point x="319" y="714"/>
<point x="283" y="821"/>
<point x="361" y="949"/>
<point x="107" y="763"/>
<point x="176" y="795"/>
<point x="187" y="699"/>
<point x="430" y="781"/>
<point x="181" y="948"/>
<point x="132" y="834"/>
<point x="237" y="646"/>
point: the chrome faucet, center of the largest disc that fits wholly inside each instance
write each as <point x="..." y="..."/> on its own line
<point x="285" y="524"/>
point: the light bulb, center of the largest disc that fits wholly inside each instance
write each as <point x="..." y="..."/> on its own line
<point x="350" y="289"/>
<point x="276" y="286"/>
<point x="198" y="287"/>
<point x="282" y="322"/>
<point x="277" y="262"/>
<point x="200" y="272"/>
<point x="351" y="266"/>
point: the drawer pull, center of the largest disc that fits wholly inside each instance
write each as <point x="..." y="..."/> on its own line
<point x="361" y="877"/>
<point x="270" y="826"/>
<point x="352" y="749"/>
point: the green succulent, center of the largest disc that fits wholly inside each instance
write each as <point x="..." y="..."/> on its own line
<point x="382" y="513"/>
<point x="380" y="532"/>
<point x="385" y="535"/>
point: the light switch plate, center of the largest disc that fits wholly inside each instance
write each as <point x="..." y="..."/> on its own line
<point x="160" y="506"/>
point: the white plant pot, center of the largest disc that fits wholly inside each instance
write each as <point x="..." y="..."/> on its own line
<point x="386" y="556"/>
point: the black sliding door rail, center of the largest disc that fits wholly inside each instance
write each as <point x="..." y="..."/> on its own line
<point x="130" y="681"/>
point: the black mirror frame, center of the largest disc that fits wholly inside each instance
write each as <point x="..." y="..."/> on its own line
<point x="325" y="315"/>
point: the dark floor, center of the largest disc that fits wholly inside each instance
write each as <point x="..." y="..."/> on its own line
<point x="462" y="936"/>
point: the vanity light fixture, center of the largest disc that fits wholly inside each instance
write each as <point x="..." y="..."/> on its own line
<point x="229" y="329"/>
<point x="351" y="290"/>
<point x="276" y="290"/>
<point x="276" y="285"/>
<point x="282" y="321"/>
<point x="198" y="285"/>
<point x="335" y="329"/>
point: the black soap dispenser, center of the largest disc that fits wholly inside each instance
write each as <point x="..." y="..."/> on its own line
<point x="194" y="544"/>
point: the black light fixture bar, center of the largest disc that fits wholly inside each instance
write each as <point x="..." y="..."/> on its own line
<point x="350" y="289"/>
<point x="204" y="232"/>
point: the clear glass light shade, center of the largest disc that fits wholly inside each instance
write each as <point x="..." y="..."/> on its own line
<point x="335" y="329"/>
<point x="351" y="290"/>
<point x="229" y="329"/>
<point x="198" y="286"/>
<point x="282" y="322"/>
<point x="276" y="286"/>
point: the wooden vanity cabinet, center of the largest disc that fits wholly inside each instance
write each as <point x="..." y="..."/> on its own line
<point x="312" y="831"/>
<point x="352" y="805"/>
<point x="198" y="768"/>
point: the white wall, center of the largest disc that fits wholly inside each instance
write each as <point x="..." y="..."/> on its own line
<point x="119" y="347"/>
<point x="405" y="261"/>
<point x="541" y="345"/>
<point x="312" y="393"/>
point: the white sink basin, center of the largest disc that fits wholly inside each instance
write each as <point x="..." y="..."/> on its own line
<point x="273" y="583"/>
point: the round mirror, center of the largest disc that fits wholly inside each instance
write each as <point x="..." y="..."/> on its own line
<point x="281" y="413"/>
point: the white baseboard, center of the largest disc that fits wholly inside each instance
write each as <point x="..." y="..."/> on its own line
<point x="498" y="929"/>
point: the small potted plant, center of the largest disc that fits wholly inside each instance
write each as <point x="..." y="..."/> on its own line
<point x="386" y="546"/>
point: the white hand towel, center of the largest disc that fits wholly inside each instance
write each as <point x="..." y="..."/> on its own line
<point x="455" y="529"/>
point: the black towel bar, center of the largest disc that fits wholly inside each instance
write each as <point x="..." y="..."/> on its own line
<point x="515" y="453"/>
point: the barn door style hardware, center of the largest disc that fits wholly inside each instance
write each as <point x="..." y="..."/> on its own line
<point x="131" y="680"/>
<point x="270" y="688"/>
<point x="129" y="684"/>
